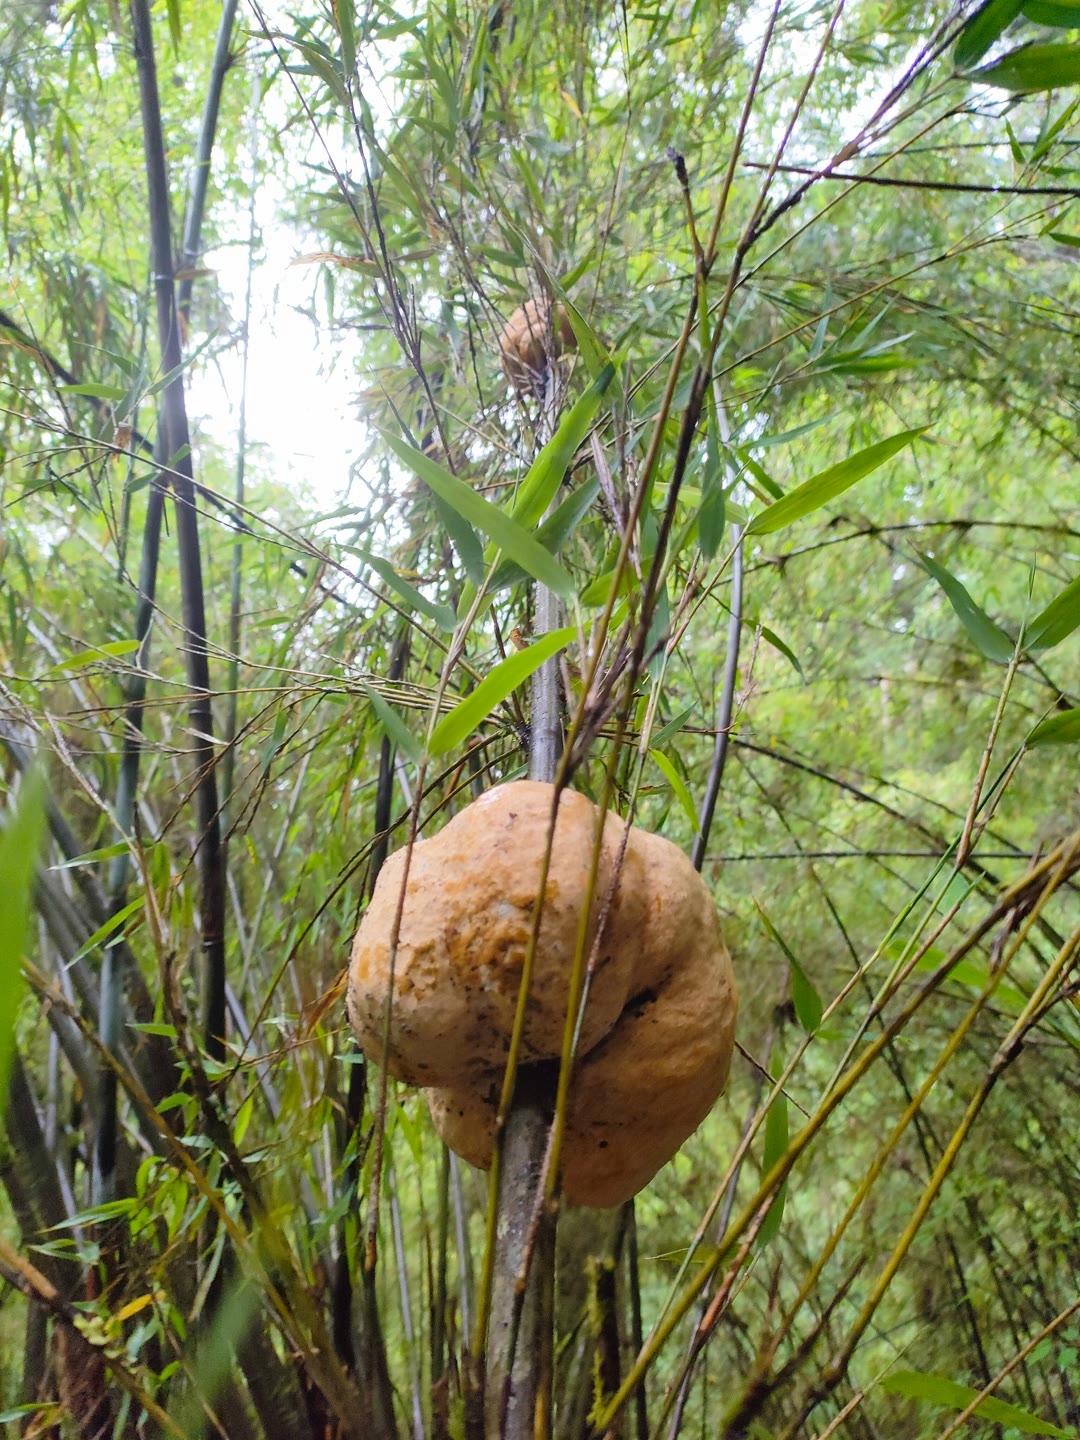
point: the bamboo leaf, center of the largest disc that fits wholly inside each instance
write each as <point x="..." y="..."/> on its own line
<point x="983" y="29"/>
<point x="1060" y="729"/>
<point x="176" y="25"/>
<point x="442" y="615"/>
<point x="951" y="1395"/>
<point x="496" y="524"/>
<point x="678" y="785"/>
<point x="545" y="474"/>
<point x="111" y="925"/>
<point x="1033" y="68"/>
<point x="673" y="726"/>
<point x="463" y="537"/>
<point x="400" y="735"/>
<point x="496" y="685"/>
<point x="1062" y="14"/>
<point x="20" y="842"/>
<point x="345" y="21"/>
<point x="95" y="391"/>
<point x="776" y="1143"/>
<point x="804" y="997"/>
<point x="112" y="650"/>
<point x="1058" y="620"/>
<point x="988" y="637"/>
<point x="822" y="488"/>
<point x="555" y="531"/>
<point x="784" y="648"/>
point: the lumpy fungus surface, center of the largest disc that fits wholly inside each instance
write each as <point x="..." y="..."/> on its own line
<point x="658" y="1028"/>
<point x="531" y="336"/>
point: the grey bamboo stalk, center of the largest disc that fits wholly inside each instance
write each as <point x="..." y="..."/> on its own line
<point x="516" y="1351"/>
<point x="236" y="572"/>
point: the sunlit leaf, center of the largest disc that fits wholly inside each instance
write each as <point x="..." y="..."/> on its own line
<point x="496" y="685"/>
<point x="95" y="654"/>
<point x="827" y="485"/>
<point x="345" y="21"/>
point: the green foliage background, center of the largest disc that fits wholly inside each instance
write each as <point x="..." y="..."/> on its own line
<point x="445" y="162"/>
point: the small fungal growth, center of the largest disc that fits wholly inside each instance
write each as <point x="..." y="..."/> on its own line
<point x="530" y="339"/>
<point x="658" y="1028"/>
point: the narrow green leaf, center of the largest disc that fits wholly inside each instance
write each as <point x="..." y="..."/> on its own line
<point x="442" y="615"/>
<point x="1059" y="619"/>
<point x="592" y="348"/>
<point x="776" y="1143"/>
<point x="822" y="488"/>
<point x="20" y="842"/>
<point x="496" y="685"/>
<point x="545" y="474"/>
<point x="1062" y="14"/>
<point x="92" y="857"/>
<point x="176" y="27"/>
<point x="673" y="726"/>
<point x="463" y="537"/>
<point x="951" y="1395"/>
<point x="115" y="922"/>
<point x="784" y="648"/>
<point x="988" y="637"/>
<point x="345" y="20"/>
<point x="1060" y="729"/>
<point x="555" y="531"/>
<point x="982" y="30"/>
<point x="678" y="785"/>
<point x="804" y="997"/>
<point x="96" y="392"/>
<point x="393" y="724"/>
<point x="322" y="65"/>
<point x="112" y="650"/>
<point x="496" y="524"/>
<point x="712" y="514"/>
<point x="1033" y="68"/>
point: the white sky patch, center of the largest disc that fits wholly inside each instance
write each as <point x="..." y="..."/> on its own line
<point x="303" y="426"/>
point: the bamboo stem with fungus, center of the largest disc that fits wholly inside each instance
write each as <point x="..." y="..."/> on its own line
<point x="520" y="1344"/>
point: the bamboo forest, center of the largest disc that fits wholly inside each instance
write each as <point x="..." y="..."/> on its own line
<point x="539" y="719"/>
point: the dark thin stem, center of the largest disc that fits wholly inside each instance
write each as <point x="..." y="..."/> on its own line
<point x="727" y="707"/>
<point x="178" y="448"/>
<point x="200" y="177"/>
<point x="898" y="183"/>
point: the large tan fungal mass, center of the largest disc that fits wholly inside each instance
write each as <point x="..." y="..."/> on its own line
<point x="532" y="336"/>
<point x="658" y="1029"/>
